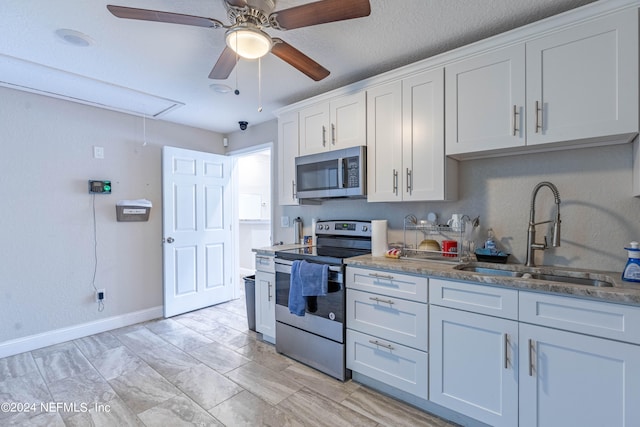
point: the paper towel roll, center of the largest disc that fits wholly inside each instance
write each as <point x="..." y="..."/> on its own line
<point x="378" y="237"/>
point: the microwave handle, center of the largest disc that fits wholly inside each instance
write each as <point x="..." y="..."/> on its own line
<point x="341" y="172"/>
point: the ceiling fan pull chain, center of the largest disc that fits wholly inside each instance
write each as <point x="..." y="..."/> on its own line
<point x="259" y="85"/>
<point x="144" y="129"/>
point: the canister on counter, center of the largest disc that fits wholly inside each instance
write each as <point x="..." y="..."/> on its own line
<point x="450" y="248"/>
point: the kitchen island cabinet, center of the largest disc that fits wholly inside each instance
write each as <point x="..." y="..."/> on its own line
<point x="580" y="83"/>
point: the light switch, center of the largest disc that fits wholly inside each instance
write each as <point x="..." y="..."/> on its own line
<point x="98" y="152"/>
<point x="284" y="221"/>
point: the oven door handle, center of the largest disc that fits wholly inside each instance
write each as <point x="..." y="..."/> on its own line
<point x="284" y="266"/>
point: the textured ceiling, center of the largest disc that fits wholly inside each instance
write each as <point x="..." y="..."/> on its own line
<point x="173" y="61"/>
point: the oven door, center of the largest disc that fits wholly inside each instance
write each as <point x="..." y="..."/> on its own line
<point x="324" y="315"/>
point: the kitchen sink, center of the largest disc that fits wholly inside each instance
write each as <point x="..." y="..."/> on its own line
<point x="585" y="279"/>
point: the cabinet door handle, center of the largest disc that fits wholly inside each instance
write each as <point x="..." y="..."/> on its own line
<point x="381" y="276"/>
<point x="538" y="117"/>
<point x="269" y="292"/>
<point x="324" y="136"/>
<point x="333" y="134"/>
<point x="379" y="344"/>
<point x="516" y="116"/>
<point x="386" y="301"/>
<point x="395" y="182"/>
<point x="409" y="181"/>
<point x="293" y="189"/>
<point x="531" y="356"/>
<point x="506" y="351"/>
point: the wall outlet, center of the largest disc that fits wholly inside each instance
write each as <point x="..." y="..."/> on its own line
<point x="100" y="295"/>
<point x="284" y="221"/>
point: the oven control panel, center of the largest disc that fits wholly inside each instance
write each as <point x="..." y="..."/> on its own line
<point x="346" y="228"/>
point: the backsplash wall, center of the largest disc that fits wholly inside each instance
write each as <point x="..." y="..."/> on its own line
<point x="599" y="215"/>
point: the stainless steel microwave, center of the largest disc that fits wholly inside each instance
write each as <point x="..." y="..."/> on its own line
<point x="337" y="173"/>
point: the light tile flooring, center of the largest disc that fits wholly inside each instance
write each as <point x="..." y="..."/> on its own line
<point x="203" y="368"/>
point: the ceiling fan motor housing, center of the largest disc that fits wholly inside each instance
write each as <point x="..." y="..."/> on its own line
<point x="256" y="12"/>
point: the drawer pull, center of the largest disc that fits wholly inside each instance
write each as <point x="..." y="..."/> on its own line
<point x="379" y="344"/>
<point x="531" y="355"/>
<point x="386" y="301"/>
<point x="381" y="276"/>
<point x="506" y="351"/>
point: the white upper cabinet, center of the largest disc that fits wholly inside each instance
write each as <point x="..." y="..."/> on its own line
<point x="405" y="145"/>
<point x="428" y="174"/>
<point x="485" y="102"/>
<point x="287" y="153"/>
<point x="384" y="142"/>
<point x="339" y="123"/>
<point x="581" y="83"/>
<point x="584" y="81"/>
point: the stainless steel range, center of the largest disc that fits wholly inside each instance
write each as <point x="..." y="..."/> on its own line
<point x="318" y="338"/>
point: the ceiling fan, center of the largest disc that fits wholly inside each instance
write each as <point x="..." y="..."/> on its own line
<point x="245" y="36"/>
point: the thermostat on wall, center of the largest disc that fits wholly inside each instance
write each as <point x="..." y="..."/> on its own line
<point x="99" y="187"/>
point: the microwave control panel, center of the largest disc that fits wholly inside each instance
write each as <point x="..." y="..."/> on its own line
<point x="353" y="174"/>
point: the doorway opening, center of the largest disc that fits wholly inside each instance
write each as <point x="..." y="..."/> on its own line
<point x="253" y="178"/>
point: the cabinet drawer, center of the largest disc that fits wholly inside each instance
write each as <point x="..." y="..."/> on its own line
<point x="265" y="263"/>
<point x="390" y="283"/>
<point x="475" y="297"/>
<point x="601" y="319"/>
<point x="395" y="319"/>
<point x="396" y="365"/>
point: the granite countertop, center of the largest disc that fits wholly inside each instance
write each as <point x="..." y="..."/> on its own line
<point x="271" y="250"/>
<point x="621" y="292"/>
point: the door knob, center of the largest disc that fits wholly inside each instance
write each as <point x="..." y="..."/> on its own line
<point x="170" y="240"/>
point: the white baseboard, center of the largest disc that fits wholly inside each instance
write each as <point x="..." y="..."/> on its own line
<point x="44" y="339"/>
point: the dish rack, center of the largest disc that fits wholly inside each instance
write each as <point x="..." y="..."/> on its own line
<point x="416" y="232"/>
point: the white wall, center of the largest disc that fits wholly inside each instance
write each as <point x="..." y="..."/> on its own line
<point x="46" y="259"/>
<point x="254" y="184"/>
<point x="599" y="214"/>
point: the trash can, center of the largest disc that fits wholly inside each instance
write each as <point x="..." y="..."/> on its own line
<point x="250" y="299"/>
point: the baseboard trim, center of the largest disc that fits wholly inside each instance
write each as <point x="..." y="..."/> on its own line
<point x="56" y="336"/>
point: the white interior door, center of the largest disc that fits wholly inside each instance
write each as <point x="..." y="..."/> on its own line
<point x="196" y="230"/>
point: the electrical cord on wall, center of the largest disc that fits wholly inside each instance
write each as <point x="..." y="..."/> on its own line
<point x="95" y="251"/>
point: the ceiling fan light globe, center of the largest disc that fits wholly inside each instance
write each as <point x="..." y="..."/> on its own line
<point x="249" y="43"/>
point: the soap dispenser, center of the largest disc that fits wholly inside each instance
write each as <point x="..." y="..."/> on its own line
<point x="490" y="243"/>
<point x="631" y="272"/>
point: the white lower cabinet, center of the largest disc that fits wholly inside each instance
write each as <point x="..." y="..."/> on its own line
<point x="265" y="295"/>
<point x="569" y="379"/>
<point x="473" y="358"/>
<point x="397" y="365"/>
<point x="501" y="356"/>
<point x="578" y="376"/>
<point x="387" y="329"/>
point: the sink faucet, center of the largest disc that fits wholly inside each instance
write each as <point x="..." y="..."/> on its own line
<point x="531" y="232"/>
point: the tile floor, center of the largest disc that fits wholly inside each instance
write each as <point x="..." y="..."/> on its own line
<point x="203" y="368"/>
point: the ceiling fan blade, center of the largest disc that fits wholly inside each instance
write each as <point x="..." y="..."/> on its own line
<point x="299" y="60"/>
<point x="320" y="12"/>
<point x="224" y="66"/>
<point x="158" y="16"/>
